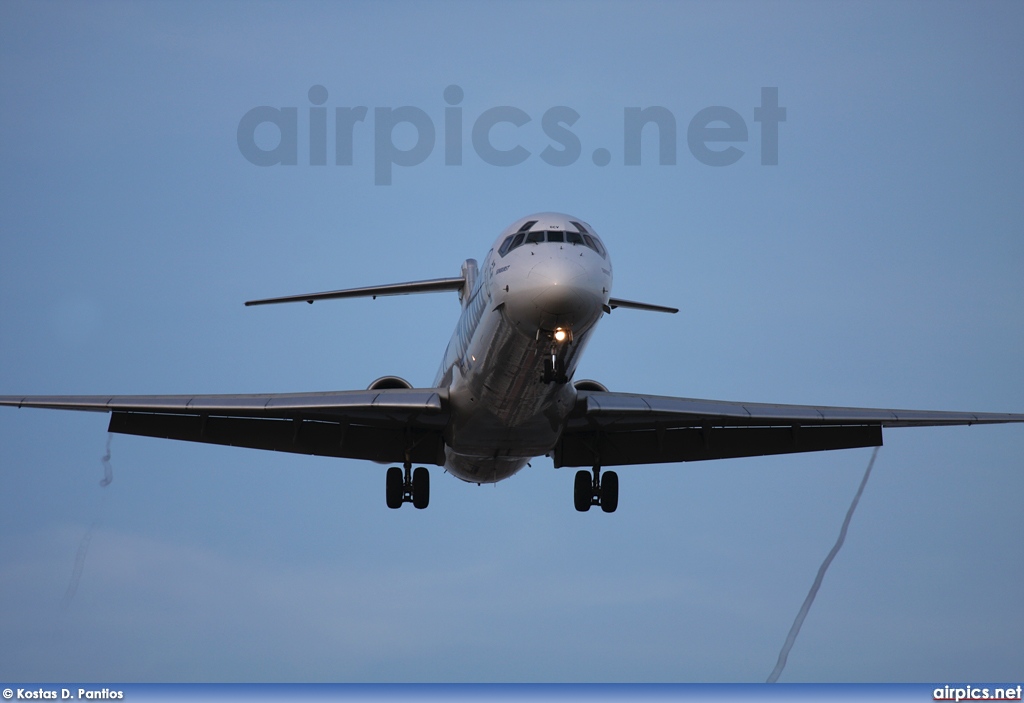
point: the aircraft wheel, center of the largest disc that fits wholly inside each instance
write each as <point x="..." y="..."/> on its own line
<point x="609" y="491"/>
<point x="421" y="487"/>
<point x="582" y="491"/>
<point x="395" y="487"/>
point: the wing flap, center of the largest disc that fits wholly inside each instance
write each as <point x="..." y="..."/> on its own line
<point x="665" y="446"/>
<point x="298" y="436"/>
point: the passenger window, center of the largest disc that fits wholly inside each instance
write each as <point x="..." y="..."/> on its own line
<point x="556" y="236"/>
<point x="534" y="237"/>
<point x="505" y="245"/>
<point x="574" y="237"/>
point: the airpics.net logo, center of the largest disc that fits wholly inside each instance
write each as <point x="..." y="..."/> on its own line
<point x="269" y="136"/>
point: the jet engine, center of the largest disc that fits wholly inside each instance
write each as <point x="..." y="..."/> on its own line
<point x="385" y="382"/>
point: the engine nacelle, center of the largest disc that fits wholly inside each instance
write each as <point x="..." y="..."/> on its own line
<point x="385" y="382"/>
<point x="589" y="385"/>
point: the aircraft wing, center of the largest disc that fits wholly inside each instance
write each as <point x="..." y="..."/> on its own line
<point x="615" y="429"/>
<point x="386" y="425"/>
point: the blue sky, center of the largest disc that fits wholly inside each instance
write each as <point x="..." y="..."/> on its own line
<point x="878" y="264"/>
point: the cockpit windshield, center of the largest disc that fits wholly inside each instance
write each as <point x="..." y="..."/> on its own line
<point x="514" y="241"/>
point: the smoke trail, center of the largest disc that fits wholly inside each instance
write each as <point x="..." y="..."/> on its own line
<point x="798" y="623"/>
<point x="76" y="572"/>
<point x="108" y="470"/>
<point x="83" y="546"/>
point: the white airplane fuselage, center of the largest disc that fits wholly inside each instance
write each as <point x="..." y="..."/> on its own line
<point x="527" y="314"/>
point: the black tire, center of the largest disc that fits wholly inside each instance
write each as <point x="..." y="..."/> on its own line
<point x="395" y="487"/>
<point x="582" y="491"/>
<point x="609" y="491"/>
<point x="421" y="487"/>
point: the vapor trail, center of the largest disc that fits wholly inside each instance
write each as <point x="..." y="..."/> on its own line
<point x="83" y="546"/>
<point x="798" y="623"/>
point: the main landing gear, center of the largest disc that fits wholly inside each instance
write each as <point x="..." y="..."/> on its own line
<point x="596" y="490"/>
<point x="408" y="486"/>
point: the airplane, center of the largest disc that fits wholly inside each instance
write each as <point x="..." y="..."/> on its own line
<point x="504" y="393"/>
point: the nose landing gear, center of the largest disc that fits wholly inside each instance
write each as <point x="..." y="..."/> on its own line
<point x="554" y="367"/>
<point x="554" y="370"/>
<point x="596" y="490"/>
<point x="408" y="486"/>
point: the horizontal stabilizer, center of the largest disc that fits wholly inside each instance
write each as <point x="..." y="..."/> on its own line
<point x="434" y="285"/>
<point x="620" y="303"/>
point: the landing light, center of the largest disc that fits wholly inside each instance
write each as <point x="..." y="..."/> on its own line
<point x="560" y="335"/>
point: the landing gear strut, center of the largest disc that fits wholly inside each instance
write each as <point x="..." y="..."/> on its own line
<point x="596" y="490"/>
<point x="408" y="486"/>
<point x="554" y="370"/>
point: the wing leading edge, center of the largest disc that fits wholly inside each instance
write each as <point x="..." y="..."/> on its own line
<point x="615" y="429"/>
<point x="386" y="425"/>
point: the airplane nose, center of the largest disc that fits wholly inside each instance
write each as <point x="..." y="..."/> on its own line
<point x="556" y="291"/>
<point x="557" y="288"/>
